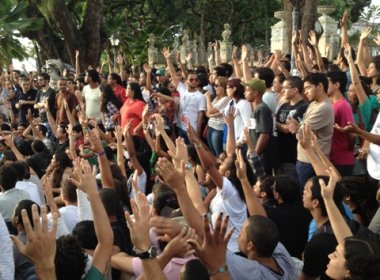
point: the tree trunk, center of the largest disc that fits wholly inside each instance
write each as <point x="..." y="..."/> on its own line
<point x="309" y="16"/>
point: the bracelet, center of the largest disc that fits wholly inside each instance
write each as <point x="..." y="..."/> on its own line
<point x="198" y="146"/>
<point x="101" y="153"/>
<point x="222" y="269"/>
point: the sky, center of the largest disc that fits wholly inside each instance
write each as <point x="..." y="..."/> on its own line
<point x="375" y="2"/>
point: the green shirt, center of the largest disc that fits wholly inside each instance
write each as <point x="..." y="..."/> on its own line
<point x="94" y="274"/>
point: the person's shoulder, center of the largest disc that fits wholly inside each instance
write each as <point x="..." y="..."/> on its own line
<point x="93" y="274"/>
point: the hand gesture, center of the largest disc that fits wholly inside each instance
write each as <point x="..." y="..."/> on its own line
<point x="345" y="19"/>
<point x="213" y="250"/>
<point x="328" y="191"/>
<point x="166" y="53"/>
<point x="313" y="38"/>
<point x="29" y="116"/>
<point x="278" y="55"/>
<point x="120" y="60"/>
<point x="40" y="245"/>
<point x="377" y="39"/>
<point x="365" y="33"/>
<point x="139" y="227"/>
<point x="147" y="68"/>
<point x="191" y="133"/>
<point x="349" y="128"/>
<point x="292" y="125"/>
<point x="159" y="122"/>
<point x="85" y="180"/>
<point x="181" y="151"/>
<point x="241" y="167"/>
<point x="174" y="178"/>
<point x="94" y="138"/>
<point x="178" y="246"/>
<point x="165" y="228"/>
<point x="244" y="53"/>
<point x="119" y="133"/>
<point x="303" y="137"/>
<point x="210" y="58"/>
<point x="76" y="53"/>
<point x="208" y="95"/>
<point x="189" y="57"/>
<point x="234" y="53"/>
<point x="230" y="117"/>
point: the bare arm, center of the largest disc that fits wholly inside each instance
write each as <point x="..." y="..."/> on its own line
<point x="244" y="58"/>
<point x="168" y="56"/>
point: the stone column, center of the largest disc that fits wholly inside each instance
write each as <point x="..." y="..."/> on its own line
<point x="152" y="50"/>
<point x="330" y="35"/>
<point x="226" y="45"/>
<point x="279" y="39"/>
<point x="186" y="46"/>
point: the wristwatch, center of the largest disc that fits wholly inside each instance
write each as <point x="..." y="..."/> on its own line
<point x="150" y="254"/>
<point x="188" y="166"/>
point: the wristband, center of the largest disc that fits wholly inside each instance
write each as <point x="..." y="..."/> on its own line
<point x="101" y="153"/>
<point x="222" y="269"/>
<point x="198" y="146"/>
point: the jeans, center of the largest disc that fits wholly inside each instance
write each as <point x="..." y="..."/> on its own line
<point x="305" y="171"/>
<point x="344" y="170"/>
<point x="215" y="140"/>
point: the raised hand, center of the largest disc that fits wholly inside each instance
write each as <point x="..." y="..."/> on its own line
<point x="327" y="192"/>
<point x="365" y="33"/>
<point x="119" y="133"/>
<point x="348" y="52"/>
<point x="166" y="53"/>
<point x="212" y="252"/>
<point x="86" y="180"/>
<point x="175" y="179"/>
<point x="244" y="53"/>
<point x="377" y="39"/>
<point x="313" y="38"/>
<point x="165" y="228"/>
<point x="349" y="128"/>
<point x="178" y="246"/>
<point x="120" y="60"/>
<point x="181" y="151"/>
<point x="139" y="226"/>
<point x="147" y="68"/>
<point x="345" y="19"/>
<point x="230" y="116"/>
<point x="241" y="167"/>
<point x="234" y="53"/>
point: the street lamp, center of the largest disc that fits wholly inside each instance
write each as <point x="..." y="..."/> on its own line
<point x="115" y="40"/>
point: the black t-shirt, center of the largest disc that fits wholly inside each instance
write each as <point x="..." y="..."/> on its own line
<point x="293" y="221"/>
<point x="287" y="142"/>
<point x="42" y="96"/>
<point x="264" y="124"/>
<point x="29" y="96"/>
<point x="39" y="162"/>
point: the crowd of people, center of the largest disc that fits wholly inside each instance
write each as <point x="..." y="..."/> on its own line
<point x="239" y="170"/>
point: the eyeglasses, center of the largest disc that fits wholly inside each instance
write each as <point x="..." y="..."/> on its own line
<point x="193" y="80"/>
<point x="287" y="87"/>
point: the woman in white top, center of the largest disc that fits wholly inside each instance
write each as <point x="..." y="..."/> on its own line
<point x="215" y="114"/>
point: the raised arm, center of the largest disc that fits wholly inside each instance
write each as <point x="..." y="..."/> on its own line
<point x="244" y="59"/>
<point x="132" y="152"/>
<point x="148" y="71"/>
<point x="168" y="56"/>
<point x="104" y="234"/>
<point x="237" y="69"/>
<point x="362" y="59"/>
<point x="313" y="41"/>
<point x="231" y="142"/>
<point x="353" y="128"/>
<point x="344" y="29"/>
<point x="77" y="65"/>
<point x="218" y="61"/>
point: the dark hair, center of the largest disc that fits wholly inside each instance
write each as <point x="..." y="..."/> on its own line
<point x="266" y="183"/>
<point x="116" y="77"/>
<point x="316" y="193"/>
<point x="229" y="69"/>
<point x="20" y="170"/>
<point x="70" y="190"/>
<point x="295" y="81"/>
<point x="137" y="94"/>
<point x="203" y="80"/>
<point x="109" y="96"/>
<point x="111" y="201"/>
<point x="338" y="77"/>
<point x="164" y="91"/>
<point x="266" y="74"/>
<point x="288" y="188"/>
<point x="70" y="259"/>
<point x="194" y="269"/>
<point x="84" y="231"/>
<point x="39" y="147"/>
<point x="361" y="194"/>
<point x="43" y="129"/>
<point x="5" y="127"/>
<point x="25" y="147"/>
<point x="318" y="78"/>
<point x="63" y="159"/>
<point x="236" y="83"/>
<point x="94" y="75"/>
<point x="264" y="233"/>
<point x="343" y="57"/>
<point x="121" y="187"/>
<point x="286" y="64"/>
<point x="362" y="258"/>
<point x="8" y="177"/>
<point x="281" y="78"/>
<point x="376" y="62"/>
<point x="45" y="76"/>
<point x="27" y="205"/>
<point x="220" y="71"/>
<point x="165" y="200"/>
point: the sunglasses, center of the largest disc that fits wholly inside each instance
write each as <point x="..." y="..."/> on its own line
<point x="193" y="80"/>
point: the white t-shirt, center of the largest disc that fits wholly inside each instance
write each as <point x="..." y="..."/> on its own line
<point x="270" y="99"/>
<point x="70" y="216"/>
<point x="373" y="159"/>
<point x="92" y="98"/>
<point x="228" y="201"/>
<point x="190" y="104"/>
<point x="31" y="189"/>
<point x="243" y="112"/>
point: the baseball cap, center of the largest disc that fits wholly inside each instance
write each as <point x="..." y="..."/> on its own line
<point x="256" y="84"/>
<point x="160" y="72"/>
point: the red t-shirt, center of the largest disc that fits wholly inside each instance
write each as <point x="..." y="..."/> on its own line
<point x="132" y="111"/>
<point x="340" y="152"/>
<point x="120" y="92"/>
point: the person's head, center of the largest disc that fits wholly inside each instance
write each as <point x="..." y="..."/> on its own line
<point x="235" y="89"/>
<point x="192" y="80"/>
<point x="315" y="85"/>
<point x="161" y="75"/>
<point x="221" y="86"/>
<point x="277" y="83"/>
<point x="194" y="269"/>
<point x="70" y="259"/>
<point x="69" y="192"/>
<point x="258" y="237"/>
<point x="337" y="82"/>
<point x="164" y="203"/>
<point x="92" y="76"/>
<point x="26" y="205"/>
<point x="84" y="231"/>
<point x="266" y="74"/>
<point x="229" y="69"/>
<point x="25" y="85"/>
<point x="164" y="91"/>
<point x="312" y="197"/>
<point x="111" y="202"/>
<point x="292" y="87"/>
<point x="39" y="147"/>
<point x="263" y="188"/>
<point x="217" y="71"/>
<point x="108" y="95"/>
<point x="62" y="159"/>
<point x="286" y="189"/>
<point x="134" y="91"/>
<point x="62" y="85"/>
<point x="25" y="147"/>
<point x="254" y="89"/>
<point x="61" y="132"/>
<point x="114" y="79"/>
<point x="43" y="79"/>
<point x="355" y="259"/>
<point x="8" y="177"/>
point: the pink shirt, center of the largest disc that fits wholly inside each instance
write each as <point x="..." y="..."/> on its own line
<point x="340" y="153"/>
<point x="172" y="269"/>
<point x="132" y="112"/>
